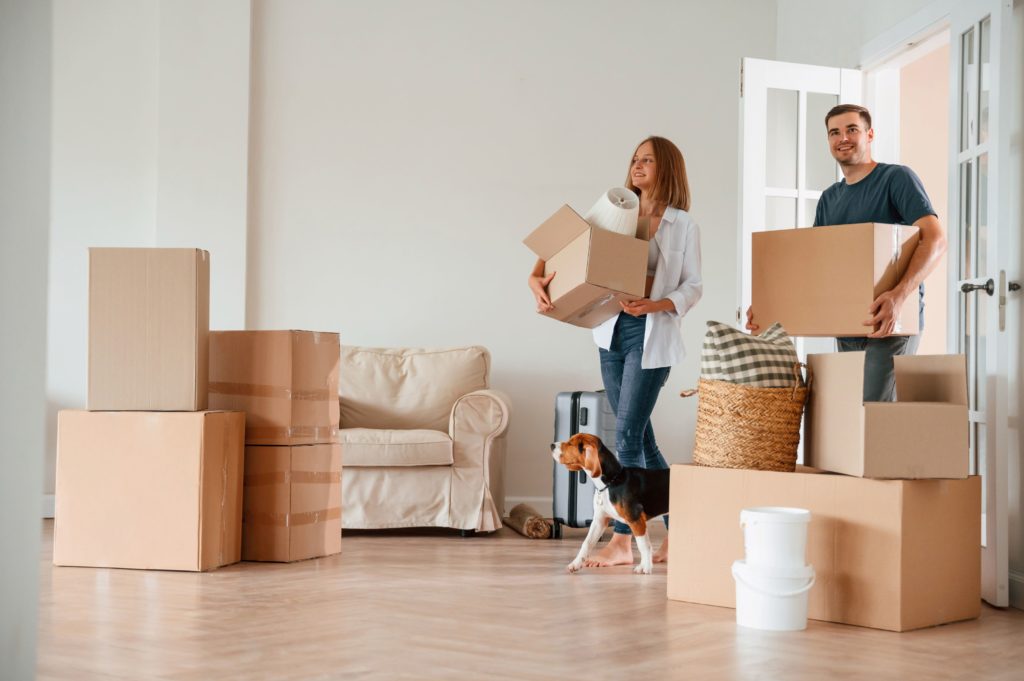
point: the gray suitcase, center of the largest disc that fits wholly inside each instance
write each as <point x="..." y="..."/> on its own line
<point x="573" y="492"/>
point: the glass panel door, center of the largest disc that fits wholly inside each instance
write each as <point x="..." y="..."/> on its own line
<point x="978" y="278"/>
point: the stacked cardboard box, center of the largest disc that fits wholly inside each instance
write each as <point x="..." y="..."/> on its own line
<point x="287" y="384"/>
<point x="895" y="534"/>
<point x="148" y="478"/>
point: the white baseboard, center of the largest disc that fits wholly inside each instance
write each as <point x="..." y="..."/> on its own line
<point x="1017" y="590"/>
<point x="48" y="505"/>
<point x="542" y="504"/>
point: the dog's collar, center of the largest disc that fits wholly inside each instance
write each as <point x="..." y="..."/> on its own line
<point x="614" y="481"/>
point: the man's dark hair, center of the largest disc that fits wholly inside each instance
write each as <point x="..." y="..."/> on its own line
<point x="865" y="115"/>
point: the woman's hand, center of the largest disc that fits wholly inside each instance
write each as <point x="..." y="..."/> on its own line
<point x="646" y="306"/>
<point x="539" y="286"/>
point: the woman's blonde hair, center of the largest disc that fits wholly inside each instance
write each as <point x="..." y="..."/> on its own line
<point x="670" y="184"/>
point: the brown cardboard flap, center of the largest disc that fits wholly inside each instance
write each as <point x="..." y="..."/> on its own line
<point x="555" y="232"/>
<point x="834" y="425"/>
<point x="569" y="265"/>
<point x="617" y="262"/>
<point x="931" y="378"/>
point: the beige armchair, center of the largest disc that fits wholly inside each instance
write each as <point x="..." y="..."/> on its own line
<point x="423" y="439"/>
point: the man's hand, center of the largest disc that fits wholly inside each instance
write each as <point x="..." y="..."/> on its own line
<point x="751" y="326"/>
<point x="646" y="306"/>
<point x="885" y="311"/>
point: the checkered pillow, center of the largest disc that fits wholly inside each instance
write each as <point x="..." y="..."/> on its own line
<point x="764" y="361"/>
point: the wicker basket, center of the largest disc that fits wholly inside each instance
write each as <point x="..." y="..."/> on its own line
<point x="739" y="426"/>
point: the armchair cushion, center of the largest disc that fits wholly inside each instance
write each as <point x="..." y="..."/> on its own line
<point x="400" y="388"/>
<point x="384" y="447"/>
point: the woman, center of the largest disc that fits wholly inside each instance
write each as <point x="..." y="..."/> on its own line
<point x="639" y="345"/>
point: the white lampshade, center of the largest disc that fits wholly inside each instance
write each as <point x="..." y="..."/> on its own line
<point x="617" y="211"/>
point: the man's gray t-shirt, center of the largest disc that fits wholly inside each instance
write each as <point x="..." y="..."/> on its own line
<point x="891" y="194"/>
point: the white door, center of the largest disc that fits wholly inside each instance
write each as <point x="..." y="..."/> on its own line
<point x="785" y="159"/>
<point x="979" y="222"/>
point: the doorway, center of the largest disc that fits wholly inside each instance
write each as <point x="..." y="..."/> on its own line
<point x="909" y="96"/>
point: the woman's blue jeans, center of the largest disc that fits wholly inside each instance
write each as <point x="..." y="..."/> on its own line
<point x="632" y="392"/>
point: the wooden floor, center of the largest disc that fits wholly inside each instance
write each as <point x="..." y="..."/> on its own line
<point x="432" y="605"/>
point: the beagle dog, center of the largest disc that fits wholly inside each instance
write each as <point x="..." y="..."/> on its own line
<point x="630" y="495"/>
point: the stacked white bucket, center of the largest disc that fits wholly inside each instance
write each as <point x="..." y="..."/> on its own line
<point x="773" y="581"/>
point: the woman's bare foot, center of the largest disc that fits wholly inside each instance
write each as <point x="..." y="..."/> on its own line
<point x="661" y="555"/>
<point x="618" y="551"/>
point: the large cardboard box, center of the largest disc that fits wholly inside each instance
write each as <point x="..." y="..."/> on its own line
<point x="292" y="502"/>
<point x="822" y="281"/>
<point x="923" y="434"/>
<point x="285" y="381"/>
<point x="889" y="554"/>
<point x="150" y="490"/>
<point x="596" y="269"/>
<point x="149" y="317"/>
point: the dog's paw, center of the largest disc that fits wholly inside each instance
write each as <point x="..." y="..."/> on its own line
<point x="642" y="569"/>
<point x="574" y="566"/>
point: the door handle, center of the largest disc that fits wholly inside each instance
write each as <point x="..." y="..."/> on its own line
<point x="988" y="287"/>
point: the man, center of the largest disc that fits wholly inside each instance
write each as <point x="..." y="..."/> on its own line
<point x="878" y="192"/>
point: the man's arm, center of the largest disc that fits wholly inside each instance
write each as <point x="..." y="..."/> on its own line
<point x="929" y="251"/>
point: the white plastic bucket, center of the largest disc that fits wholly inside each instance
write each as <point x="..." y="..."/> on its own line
<point x="772" y="599"/>
<point x="775" y="536"/>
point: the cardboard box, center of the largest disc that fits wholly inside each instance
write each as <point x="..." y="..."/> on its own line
<point x="822" y="281"/>
<point x="292" y="502"/>
<point x="924" y="434"/>
<point x="149" y="490"/>
<point x="149" y="317"/>
<point x="596" y="269"/>
<point x="285" y="381"/>
<point x="889" y="554"/>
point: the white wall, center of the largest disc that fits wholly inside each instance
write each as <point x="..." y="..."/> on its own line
<point x="203" y="142"/>
<point x="150" y="148"/>
<point x="401" y="152"/>
<point x="832" y="32"/>
<point x="25" y="39"/>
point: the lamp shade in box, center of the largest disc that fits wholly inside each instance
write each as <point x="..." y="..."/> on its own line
<point x="617" y="211"/>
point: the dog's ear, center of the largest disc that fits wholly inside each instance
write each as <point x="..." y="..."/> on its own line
<point x="593" y="461"/>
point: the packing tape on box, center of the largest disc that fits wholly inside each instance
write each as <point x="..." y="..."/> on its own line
<point x="323" y="434"/>
<point x="590" y="307"/>
<point x="272" y="391"/>
<point x="288" y="477"/>
<point x="291" y="519"/>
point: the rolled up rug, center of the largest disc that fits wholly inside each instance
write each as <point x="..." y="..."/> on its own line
<point x="529" y="522"/>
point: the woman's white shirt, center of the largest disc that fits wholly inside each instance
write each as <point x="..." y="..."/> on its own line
<point x="677" y="278"/>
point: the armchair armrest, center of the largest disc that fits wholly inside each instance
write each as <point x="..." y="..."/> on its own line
<point x="479" y="412"/>
<point x="477" y="426"/>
